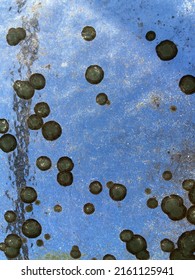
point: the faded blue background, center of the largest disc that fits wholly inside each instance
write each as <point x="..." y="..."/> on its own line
<point x="131" y="141"/>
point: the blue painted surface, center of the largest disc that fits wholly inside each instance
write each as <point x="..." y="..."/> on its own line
<point x="126" y="142"/>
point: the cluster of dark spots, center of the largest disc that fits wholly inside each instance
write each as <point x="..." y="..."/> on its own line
<point x="37" y="81"/>
<point x="187" y="84"/>
<point x="75" y="252"/>
<point x="15" y="35"/>
<point x="4" y="126"/>
<point x="88" y="208"/>
<point x="10" y="216"/>
<point x="51" y="130"/>
<point x="109" y="257"/>
<point x="65" y="164"/>
<point x="31" y="228"/>
<point x="28" y="194"/>
<point x="167" y="245"/>
<point x="152" y="202"/>
<point x="150" y="35"/>
<point x="167" y="175"/>
<point x="88" y="33"/>
<point x="34" y="122"/>
<point x="173" y="206"/>
<point x="118" y="192"/>
<point x="102" y="99"/>
<point x="43" y="163"/>
<point x="57" y="208"/>
<point x="94" y="74"/>
<point x="39" y="242"/>
<point x="95" y="187"/>
<point x="8" y="143"/>
<point x="65" y="178"/>
<point x="166" y="50"/>
<point x="42" y="109"/>
<point x="24" y="89"/>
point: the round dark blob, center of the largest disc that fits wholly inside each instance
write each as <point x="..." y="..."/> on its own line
<point x="75" y="252"/>
<point x="109" y="257"/>
<point x="4" y="126"/>
<point x="88" y="208"/>
<point x="150" y="35"/>
<point x="31" y="228"/>
<point x="166" y="50"/>
<point x="57" y="208"/>
<point x="178" y="213"/>
<point x="126" y="235"/>
<point x="143" y="255"/>
<point x="177" y="254"/>
<point x="47" y="236"/>
<point x="10" y="216"/>
<point x="39" y="242"/>
<point x="11" y="252"/>
<point x="148" y="191"/>
<point x="187" y="84"/>
<point x="118" y="192"/>
<point x="13" y="240"/>
<point x="167" y="175"/>
<point x="65" y="178"/>
<point x="173" y="108"/>
<point x="24" y="89"/>
<point x="170" y="202"/>
<point x="94" y="74"/>
<point x="8" y="143"/>
<point x="51" y="130"/>
<point x="37" y="81"/>
<point x="28" y="194"/>
<point x="42" y="109"/>
<point x="2" y="246"/>
<point x="186" y="243"/>
<point x="188" y="184"/>
<point x="191" y="215"/>
<point x="136" y="244"/>
<point x="12" y="37"/>
<point x="152" y="203"/>
<point x="88" y="33"/>
<point x="102" y="99"/>
<point x="167" y="245"/>
<point x="95" y="187"/>
<point x="65" y="164"/>
<point x="37" y="202"/>
<point x="43" y="163"/>
<point x="191" y="195"/>
<point x="21" y="33"/>
<point x="29" y="208"/>
<point x="34" y="122"/>
<point x="109" y="184"/>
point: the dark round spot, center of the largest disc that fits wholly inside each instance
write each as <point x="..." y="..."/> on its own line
<point x="51" y="130"/>
<point x="188" y="184"/>
<point x="167" y="245"/>
<point x="31" y="228"/>
<point x="94" y="74"/>
<point x="75" y="253"/>
<point x="187" y="84"/>
<point x="12" y="37"/>
<point x="126" y="235"/>
<point x="150" y="35"/>
<point x="2" y="246"/>
<point x="88" y="33"/>
<point x="29" y="208"/>
<point x="24" y="89"/>
<point x="37" y="81"/>
<point x="10" y="216"/>
<point x="191" y="195"/>
<point x="191" y="215"/>
<point x="43" y="163"/>
<point x="21" y="33"/>
<point x="186" y="243"/>
<point x="177" y="254"/>
<point x="65" y="164"/>
<point x="166" y="50"/>
<point x="109" y="184"/>
<point x="65" y="178"/>
<point x="39" y="242"/>
<point x="47" y="236"/>
<point x="4" y="126"/>
<point x="8" y="143"/>
<point x="37" y="202"/>
<point x="173" y="206"/>
<point x="102" y="99"/>
<point x="13" y="240"/>
<point x="95" y="187"/>
<point x="42" y="109"/>
<point x="109" y="257"/>
<point x="152" y="203"/>
<point x="173" y="108"/>
<point x="118" y="192"/>
<point x="28" y="194"/>
<point x="11" y="252"/>
<point x="143" y="255"/>
<point x="34" y="122"/>
<point x="148" y="191"/>
<point x="136" y="244"/>
<point x="167" y="175"/>
<point x="88" y="208"/>
<point x="57" y="208"/>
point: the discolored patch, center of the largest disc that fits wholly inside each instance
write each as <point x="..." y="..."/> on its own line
<point x="109" y="257"/>
<point x="187" y="84"/>
<point x="150" y="35"/>
<point x="95" y="187"/>
<point x="166" y="50"/>
<point x="43" y="163"/>
<point x="152" y="202"/>
<point x="4" y="126"/>
<point x="88" y="208"/>
<point x="167" y="245"/>
<point x="23" y="89"/>
<point x="126" y="235"/>
<point x="10" y="216"/>
<point x="37" y="81"/>
<point x="42" y="109"/>
<point x="34" y="122"/>
<point x="94" y="74"/>
<point x="51" y="130"/>
<point x="102" y="99"/>
<point x="88" y="33"/>
<point x="65" y="178"/>
<point x="118" y="192"/>
<point x="28" y="194"/>
<point x="8" y="143"/>
<point x="65" y="164"/>
<point x="173" y="108"/>
<point x="31" y="228"/>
